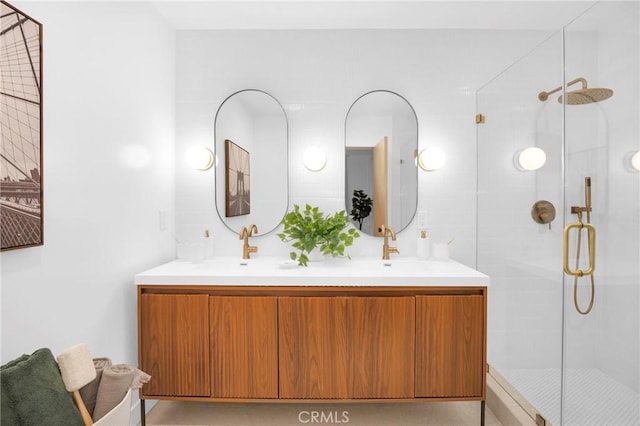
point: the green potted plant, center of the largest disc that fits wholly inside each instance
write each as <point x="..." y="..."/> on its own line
<point x="309" y="229"/>
<point x="361" y="206"/>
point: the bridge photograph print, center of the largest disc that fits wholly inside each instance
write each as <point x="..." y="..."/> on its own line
<point x="20" y="129"/>
<point x="238" y="187"/>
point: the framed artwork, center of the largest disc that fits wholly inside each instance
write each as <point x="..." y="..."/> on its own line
<point x="238" y="182"/>
<point x="21" y="197"/>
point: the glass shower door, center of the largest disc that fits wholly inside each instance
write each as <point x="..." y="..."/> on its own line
<point x="520" y="224"/>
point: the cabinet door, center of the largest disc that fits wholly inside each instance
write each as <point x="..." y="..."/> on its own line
<point x="174" y="344"/>
<point x="347" y="347"/>
<point x="450" y="336"/>
<point x="313" y="347"/>
<point x="382" y="347"/>
<point x="244" y="347"/>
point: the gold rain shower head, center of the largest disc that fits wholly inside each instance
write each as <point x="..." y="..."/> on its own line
<point x="582" y="96"/>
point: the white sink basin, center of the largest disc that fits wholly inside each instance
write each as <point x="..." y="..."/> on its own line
<point x="397" y="271"/>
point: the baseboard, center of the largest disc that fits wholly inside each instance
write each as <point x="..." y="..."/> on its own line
<point x="504" y="407"/>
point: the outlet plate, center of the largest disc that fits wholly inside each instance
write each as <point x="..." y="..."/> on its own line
<point x="421" y="219"/>
<point x="162" y="219"/>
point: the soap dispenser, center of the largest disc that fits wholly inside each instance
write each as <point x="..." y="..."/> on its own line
<point x="423" y="246"/>
<point x="208" y="245"/>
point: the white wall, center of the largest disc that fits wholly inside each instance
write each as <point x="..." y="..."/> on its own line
<point x="317" y="75"/>
<point x="108" y="169"/>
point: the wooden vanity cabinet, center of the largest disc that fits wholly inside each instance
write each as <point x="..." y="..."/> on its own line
<point x="243" y="343"/>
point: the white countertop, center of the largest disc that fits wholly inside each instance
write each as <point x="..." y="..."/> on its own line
<point x="272" y="271"/>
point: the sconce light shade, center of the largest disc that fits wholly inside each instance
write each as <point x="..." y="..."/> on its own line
<point x="199" y="158"/>
<point x="314" y="159"/>
<point x="431" y="159"/>
<point x="632" y="161"/>
<point x="531" y="158"/>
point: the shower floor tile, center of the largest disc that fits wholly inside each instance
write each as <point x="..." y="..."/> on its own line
<point x="593" y="398"/>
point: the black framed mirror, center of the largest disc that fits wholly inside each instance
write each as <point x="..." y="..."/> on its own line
<point x="381" y="175"/>
<point x="251" y="148"/>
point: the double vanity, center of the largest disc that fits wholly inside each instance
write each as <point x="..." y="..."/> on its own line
<point x="267" y="330"/>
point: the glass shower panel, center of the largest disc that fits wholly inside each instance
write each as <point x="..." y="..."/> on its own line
<point x="602" y="348"/>
<point x="522" y="256"/>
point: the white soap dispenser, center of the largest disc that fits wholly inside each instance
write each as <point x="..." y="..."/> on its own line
<point x="208" y="245"/>
<point x="423" y="246"/>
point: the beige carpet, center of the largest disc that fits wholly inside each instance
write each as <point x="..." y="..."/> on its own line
<point x="345" y="414"/>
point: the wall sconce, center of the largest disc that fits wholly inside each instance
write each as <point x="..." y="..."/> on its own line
<point x="431" y="159"/>
<point x="199" y="158"/>
<point x="529" y="159"/>
<point x="314" y="159"/>
<point x="632" y="162"/>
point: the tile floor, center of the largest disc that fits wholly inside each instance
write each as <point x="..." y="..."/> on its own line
<point x="176" y="413"/>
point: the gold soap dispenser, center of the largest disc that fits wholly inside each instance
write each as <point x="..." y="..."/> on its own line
<point x="424" y="251"/>
<point x="208" y="245"/>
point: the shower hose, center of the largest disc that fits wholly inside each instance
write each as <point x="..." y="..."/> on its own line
<point x="575" y="278"/>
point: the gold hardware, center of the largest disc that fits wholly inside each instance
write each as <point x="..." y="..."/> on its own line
<point x="386" y="249"/>
<point x="479" y="119"/>
<point x="244" y="235"/>
<point x="581" y="96"/>
<point x="580" y="210"/>
<point x="591" y="242"/>
<point x="540" y="421"/>
<point x="543" y="212"/>
<point x="591" y="235"/>
<point x="543" y="96"/>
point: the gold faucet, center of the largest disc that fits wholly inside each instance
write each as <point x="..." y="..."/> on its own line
<point x="386" y="231"/>
<point x="245" y="233"/>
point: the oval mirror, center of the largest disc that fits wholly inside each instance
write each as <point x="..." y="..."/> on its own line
<point x="251" y="138"/>
<point x="381" y="175"/>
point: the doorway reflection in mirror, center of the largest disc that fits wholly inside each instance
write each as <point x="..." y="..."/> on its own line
<point x="381" y="142"/>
